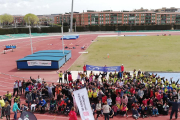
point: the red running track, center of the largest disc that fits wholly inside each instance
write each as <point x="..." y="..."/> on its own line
<point x="8" y="64"/>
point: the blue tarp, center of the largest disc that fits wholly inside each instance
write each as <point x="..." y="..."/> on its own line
<point x="104" y="69"/>
<point x="53" y="51"/>
<point x="56" y="57"/>
<point x="40" y="58"/>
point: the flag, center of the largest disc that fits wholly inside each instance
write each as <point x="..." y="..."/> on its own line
<point x="82" y="101"/>
<point x="25" y="115"/>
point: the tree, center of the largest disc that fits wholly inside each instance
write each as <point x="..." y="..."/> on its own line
<point x="31" y="18"/>
<point x="1" y="19"/>
<point x="74" y="20"/>
<point x="7" y="18"/>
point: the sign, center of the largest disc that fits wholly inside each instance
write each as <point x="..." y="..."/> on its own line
<point x="39" y="63"/>
<point x="104" y="69"/>
<point x="25" y="115"/>
<point x="82" y="101"/>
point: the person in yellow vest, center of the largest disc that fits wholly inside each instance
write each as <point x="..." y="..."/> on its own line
<point x="111" y="79"/>
<point x="115" y="79"/>
<point x="90" y="94"/>
<point x="173" y="84"/>
<point x="2" y="103"/>
<point x="95" y="96"/>
<point x="154" y="80"/>
<point x="104" y="80"/>
<point x="166" y="82"/>
<point x="60" y="76"/>
<point x="9" y="97"/>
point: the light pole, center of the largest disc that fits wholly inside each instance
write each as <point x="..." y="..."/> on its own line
<point x="71" y="26"/>
<point x="62" y="37"/>
<point x="30" y="36"/>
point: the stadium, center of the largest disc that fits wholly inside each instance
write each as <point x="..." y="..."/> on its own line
<point x="97" y="55"/>
<point x="94" y="65"/>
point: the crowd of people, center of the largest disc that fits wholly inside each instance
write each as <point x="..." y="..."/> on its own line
<point x="112" y="94"/>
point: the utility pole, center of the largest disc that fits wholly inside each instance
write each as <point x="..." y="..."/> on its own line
<point x="71" y="26"/>
<point x="30" y="36"/>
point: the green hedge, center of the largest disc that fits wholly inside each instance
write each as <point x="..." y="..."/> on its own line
<point x="89" y="28"/>
<point x="33" y="30"/>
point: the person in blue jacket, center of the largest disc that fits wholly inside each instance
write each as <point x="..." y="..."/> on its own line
<point x="42" y="105"/>
<point x="15" y="109"/>
<point x="175" y="105"/>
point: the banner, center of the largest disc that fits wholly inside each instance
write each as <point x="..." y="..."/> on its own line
<point x="39" y="63"/>
<point x="104" y="69"/>
<point x="25" y="115"/>
<point x="82" y="101"/>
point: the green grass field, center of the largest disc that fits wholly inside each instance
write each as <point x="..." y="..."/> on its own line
<point x="148" y="53"/>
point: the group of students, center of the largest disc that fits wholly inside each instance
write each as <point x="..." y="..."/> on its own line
<point x="143" y="94"/>
<point x="110" y="95"/>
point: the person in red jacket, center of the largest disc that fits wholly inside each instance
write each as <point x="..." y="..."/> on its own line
<point x="104" y="99"/>
<point x="145" y="102"/>
<point x="70" y="78"/>
<point x="122" y="68"/>
<point x="72" y="114"/>
<point x="84" y="69"/>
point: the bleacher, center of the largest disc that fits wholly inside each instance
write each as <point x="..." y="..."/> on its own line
<point x="2" y="37"/>
<point x="39" y="34"/>
<point x="27" y="35"/>
<point x="19" y="35"/>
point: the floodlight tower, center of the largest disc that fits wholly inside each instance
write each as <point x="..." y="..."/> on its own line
<point x="71" y="26"/>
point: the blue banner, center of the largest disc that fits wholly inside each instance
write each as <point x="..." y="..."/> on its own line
<point x="104" y="69"/>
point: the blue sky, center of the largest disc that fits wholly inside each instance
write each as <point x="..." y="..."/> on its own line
<point x="22" y="7"/>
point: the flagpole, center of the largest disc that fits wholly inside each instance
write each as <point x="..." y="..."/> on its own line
<point x="30" y="36"/>
<point x="62" y="37"/>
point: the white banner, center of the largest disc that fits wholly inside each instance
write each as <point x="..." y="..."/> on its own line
<point x="82" y="101"/>
<point x="39" y="63"/>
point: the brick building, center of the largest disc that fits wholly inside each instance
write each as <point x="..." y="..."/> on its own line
<point x="120" y="18"/>
<point x="18" y="19"/>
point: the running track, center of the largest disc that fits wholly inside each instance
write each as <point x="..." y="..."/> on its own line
<point x="8" y="63"/>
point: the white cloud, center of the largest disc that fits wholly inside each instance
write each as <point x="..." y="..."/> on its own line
<point x="62" y="6"/>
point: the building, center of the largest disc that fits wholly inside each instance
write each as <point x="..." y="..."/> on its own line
<point x="120" y="18"/>
<point x="18" y="19"/>
<point x="46" y="19"/>
<point x="164" y="9"/>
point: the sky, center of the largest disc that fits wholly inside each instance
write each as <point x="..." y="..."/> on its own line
<point x="39" y="7"/>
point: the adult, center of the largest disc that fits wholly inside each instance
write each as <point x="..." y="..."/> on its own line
<point x="15" y="88"/>
<point x="9" y="97"/>
<point x="15" y="109"/>
<point x="60" y="76"/>
<point x="7" y="109"/>
<point x="84" y="69"/>
<point x="106" y="110"/>
<point x="122" y="68"/>
<point x="2" y="103"/>
<point x="42" y="105"/>
<point x="72" y="114"/>
<point x="175" y="105"/>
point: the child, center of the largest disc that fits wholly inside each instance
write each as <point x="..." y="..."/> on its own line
<point x="124" y="110"/>
<point x="109" y="101"/>
<point x="115" y="109"/>
<point x="165" y="109"/>
<point x="155" y="111"/>
<point x="143" y="112"/>
<point x="149" y="110"/>
<point x="111" y="114"/>
<point x="135" y="113"/>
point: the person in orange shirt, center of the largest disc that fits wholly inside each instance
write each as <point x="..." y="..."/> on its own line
<point x="58" y="89"/>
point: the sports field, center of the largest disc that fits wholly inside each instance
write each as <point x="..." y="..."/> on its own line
<point x="148" y="53"/>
